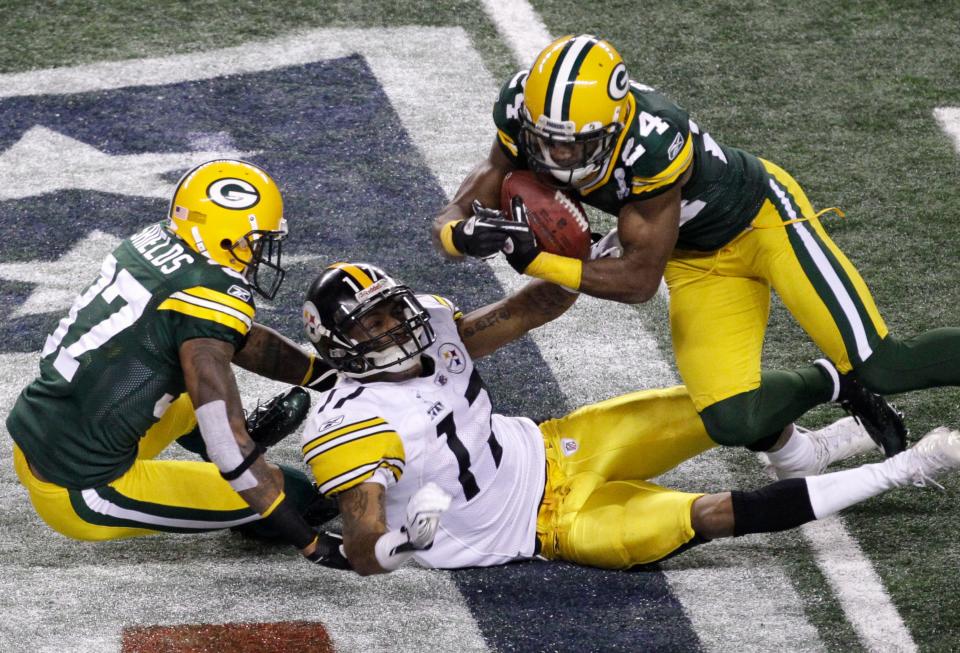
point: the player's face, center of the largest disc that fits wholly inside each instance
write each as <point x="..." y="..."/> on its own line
<point x="565" y="155"/>
<point x="380" y="320"/>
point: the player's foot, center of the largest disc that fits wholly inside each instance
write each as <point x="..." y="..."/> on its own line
<point x="882" y="421"/>
<point x="843" y="439"/>
<point x="280" y="416"/>
<point x="937" y="452"/>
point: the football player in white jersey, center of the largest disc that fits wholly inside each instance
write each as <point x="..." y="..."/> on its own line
<point x="423" y="468"/>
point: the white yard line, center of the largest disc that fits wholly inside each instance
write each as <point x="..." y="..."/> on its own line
<point x="861" y="596"/>
<point x="855" y="582"/>
<point x="949" y="120"/>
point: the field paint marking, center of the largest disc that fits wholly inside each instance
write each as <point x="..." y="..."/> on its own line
<point x="520" y="26"/>
<point x="855" y="582"/>
<point x="949" y="120"/>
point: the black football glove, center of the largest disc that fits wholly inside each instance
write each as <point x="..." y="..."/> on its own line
<point x="329" y="551"/>
<point x="271" y="422"/>
<point x="477" y="236"/>
<point x="521" y="246"/>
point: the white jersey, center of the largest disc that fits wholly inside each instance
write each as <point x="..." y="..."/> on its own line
<point x="440" y="428"/>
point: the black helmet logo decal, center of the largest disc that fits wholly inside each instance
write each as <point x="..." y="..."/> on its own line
<point x="231" y="193"/>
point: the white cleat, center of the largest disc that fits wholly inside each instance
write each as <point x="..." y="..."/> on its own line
<point x="937" y="452"/>
<point x="843" y="439"/>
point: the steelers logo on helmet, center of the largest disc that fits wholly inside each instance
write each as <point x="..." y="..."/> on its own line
<point x="232" y="193"/>
<point x="312" y="326"/>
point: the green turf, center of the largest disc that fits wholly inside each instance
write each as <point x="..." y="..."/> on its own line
<point x="841" y="94"/>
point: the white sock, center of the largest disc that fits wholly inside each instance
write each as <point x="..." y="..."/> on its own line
<point x="830" y="493"/>
<point x="797" y="454"/>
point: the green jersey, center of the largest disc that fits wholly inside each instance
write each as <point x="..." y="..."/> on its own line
<point x="659" y="144"/>
<point x="112" y="367"/>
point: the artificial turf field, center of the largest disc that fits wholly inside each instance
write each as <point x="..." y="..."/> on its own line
<point x="369" y="114"/>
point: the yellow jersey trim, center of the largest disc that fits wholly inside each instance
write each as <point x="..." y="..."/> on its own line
<point x="343" y="430"/>
<point x="669" y="175"/>
<point x="222" y="298"/>
<point x="203" y="313"/>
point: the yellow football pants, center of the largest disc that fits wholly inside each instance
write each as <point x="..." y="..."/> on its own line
<point x="720" y="301"/>
<point x="152" y="496"/>
<point x="598" y="508"/>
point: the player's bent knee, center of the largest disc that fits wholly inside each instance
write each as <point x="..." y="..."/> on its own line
<point x="879" y="372"/>
<point x="731" y="422"/>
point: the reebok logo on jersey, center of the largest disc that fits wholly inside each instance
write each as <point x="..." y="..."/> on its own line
<point x="239" y="293"/>
<point x="675" y="147"/>
<point x="569" y="446"/>
<point x="330" y="423"/>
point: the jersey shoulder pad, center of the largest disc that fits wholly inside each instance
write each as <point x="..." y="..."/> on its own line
<point x="506" y="114"/>
<point x="346" y="446"/>
<point x="658" y="147"/>
<point x="440" y="303"/>
<point x="219" y="303"/>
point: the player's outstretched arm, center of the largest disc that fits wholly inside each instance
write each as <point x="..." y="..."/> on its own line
<point x="270" y="354"/>
<point x="488" y="328"/>
<point x="213" y="391"/>
<point x="370" y="547"/>
<point x="482" y="184"/>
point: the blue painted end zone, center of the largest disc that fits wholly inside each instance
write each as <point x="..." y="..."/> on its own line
<point x="549" y="606"/>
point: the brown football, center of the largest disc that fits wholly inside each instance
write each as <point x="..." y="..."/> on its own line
<point x="556" y="217"/>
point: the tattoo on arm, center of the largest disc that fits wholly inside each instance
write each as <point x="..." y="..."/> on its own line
<point x="500" y="315"/>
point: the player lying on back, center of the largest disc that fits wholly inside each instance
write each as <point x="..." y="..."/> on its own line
<point x="423" y="468"/>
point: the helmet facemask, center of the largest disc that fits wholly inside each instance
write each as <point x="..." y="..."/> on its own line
<point x="573" y="159"/>
<point x="359" y="347"/>
<point x="261" y="248"/>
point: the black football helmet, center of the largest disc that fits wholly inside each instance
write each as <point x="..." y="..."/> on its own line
<point x="341" y="305"/>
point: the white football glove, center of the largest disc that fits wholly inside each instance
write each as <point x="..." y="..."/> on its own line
<point x="607" y="247"/>
<point x="423" y="515"/>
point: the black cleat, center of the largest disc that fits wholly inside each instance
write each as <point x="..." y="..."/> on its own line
<point x="882" y="422"/>
<point x="271" y="422"/>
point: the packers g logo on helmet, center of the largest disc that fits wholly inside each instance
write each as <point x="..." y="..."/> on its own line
<point x="231" y="212"/>
<point x="575" y="105"/>
<point x="233" y="194"/>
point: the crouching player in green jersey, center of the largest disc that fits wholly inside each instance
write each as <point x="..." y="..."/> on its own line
<point x="144" y="357"/>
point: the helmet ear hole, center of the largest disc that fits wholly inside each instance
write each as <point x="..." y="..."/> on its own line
<point x="225" y="243"/>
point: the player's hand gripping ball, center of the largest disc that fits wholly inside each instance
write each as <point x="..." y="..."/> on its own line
<point x="557" y="218"/>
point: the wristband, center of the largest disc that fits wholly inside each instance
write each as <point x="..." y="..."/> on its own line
<point x="392" y="550"/>
<point x="319" y="376"/>
<point x="561" y="270"/>
<point x="446" y="238"/>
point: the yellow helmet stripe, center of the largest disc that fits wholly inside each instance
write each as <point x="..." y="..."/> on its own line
<point x="358" y="275"/>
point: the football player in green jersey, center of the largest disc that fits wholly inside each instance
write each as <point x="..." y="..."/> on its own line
<point x="144" y="356"/>
<point x="721" y="226"/>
